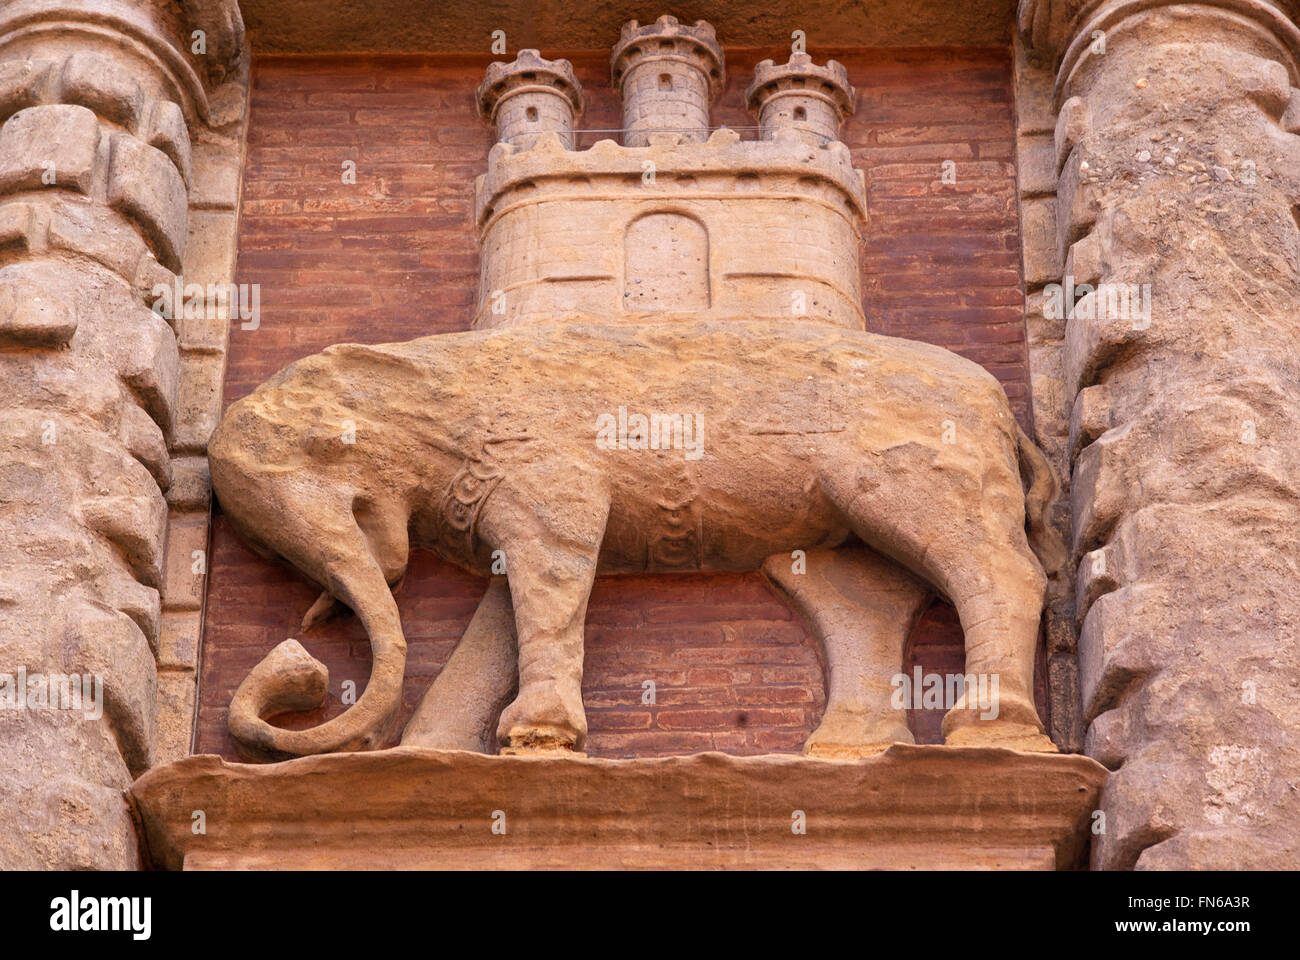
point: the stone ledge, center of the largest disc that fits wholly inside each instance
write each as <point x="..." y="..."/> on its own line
<point x="911" y="807"/>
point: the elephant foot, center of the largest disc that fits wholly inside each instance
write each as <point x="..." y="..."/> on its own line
<point x="538" y="742"/>
<point x="543" y="721"/>
<point x="843" y="735"/>
<point x="995" y="733"/>
<point x="1016" y="728"/>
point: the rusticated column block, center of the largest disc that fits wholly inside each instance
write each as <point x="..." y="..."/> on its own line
<point x="146" y="186"/>
<point x="99" y="106"/>
<point x="54" y="146"/>
<point x="1174" y="221"/>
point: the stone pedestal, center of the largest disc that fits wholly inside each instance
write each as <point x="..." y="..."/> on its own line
<point x="908" y="808"/>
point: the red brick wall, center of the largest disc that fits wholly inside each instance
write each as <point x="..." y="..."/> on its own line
<point x="393" y="257"/>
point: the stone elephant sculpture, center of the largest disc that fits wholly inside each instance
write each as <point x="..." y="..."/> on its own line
<point x="568" y="450"/>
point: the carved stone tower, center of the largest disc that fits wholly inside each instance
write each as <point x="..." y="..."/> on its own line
<point x="529" y="97"/>
<point x="801" y="96"/>
<point x="667" y="75"/>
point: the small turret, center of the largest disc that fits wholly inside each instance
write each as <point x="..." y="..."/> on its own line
<point x="529" y="97"/>
<point x="801" y="96"/>
<point x="667" y="75"/>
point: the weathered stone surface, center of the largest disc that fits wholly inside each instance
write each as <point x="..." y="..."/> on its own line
<point x="166" y="131"/>
<point x="22" y="83"/>
<point x="1036" y="170"/>
<point x="217" y="173"/>
<point x="198" y="403"/>
<point x="666" y="74"/>
<point x="530" y="96"/>
<point x="191" y="488"/>
<point x="862" y="608"/>
<point x="53" y="146"/>
<point x="726" y="227"/>
<point x="149" y="363"/>
<point x="99" y="233"/>
<point x="177" y="691"/>
<point x="146" y="442"/>
<point x="801" y="96"/>
<point x="732" y="291"/>
<point x="413" y="808"/>
<point x="104" y="86"/>
<point x="303" y="26"/>
<point x="1036" y="153"/>
<point x="186" y="562"/>
<point x="16" y="221"/>
<point x="1177" y="156"/>
<point x="145" y="185"/>
<point x="1038" y="229"/>
<point x="63" y="780"/>
<point x="1176" y="192"/>
<point x="106" y="643"/>
<point x="136" y="525"/>
<point x="32" y="315"/>
<point x="463" y="704"/>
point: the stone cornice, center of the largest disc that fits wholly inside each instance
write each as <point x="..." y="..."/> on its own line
<point x="418" y="26"/>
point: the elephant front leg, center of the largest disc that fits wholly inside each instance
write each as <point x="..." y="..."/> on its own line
<point x="462" y="705"/>
<point x="550" y="552"/>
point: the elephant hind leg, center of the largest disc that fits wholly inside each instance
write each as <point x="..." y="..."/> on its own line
<point x="861" y="606"/>
<point x="980" y="559"/>
<point x="1000" y="605"/>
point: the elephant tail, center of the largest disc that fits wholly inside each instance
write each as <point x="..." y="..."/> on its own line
<point x="1043" y="538"/>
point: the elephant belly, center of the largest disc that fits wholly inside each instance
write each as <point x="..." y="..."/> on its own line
<point x="717" y="516"/>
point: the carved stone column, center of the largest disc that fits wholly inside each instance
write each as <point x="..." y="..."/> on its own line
<point x="1178" y="178"/>
<point x="111" y="110"/>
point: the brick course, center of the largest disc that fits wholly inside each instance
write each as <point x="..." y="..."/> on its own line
<point x="393" y="257"/>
